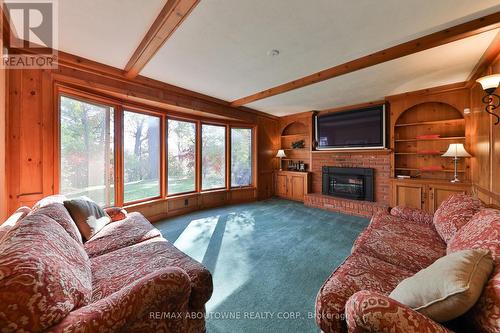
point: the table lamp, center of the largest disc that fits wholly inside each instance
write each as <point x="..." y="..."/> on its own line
<point x="281" y="154"/>
<point x="456" y="150"/>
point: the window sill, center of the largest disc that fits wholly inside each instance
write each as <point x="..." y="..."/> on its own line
<point x="185" y="196"/>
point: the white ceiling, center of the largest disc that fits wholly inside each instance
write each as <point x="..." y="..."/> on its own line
<point x="105" y="31"/>
<point x="221" y="48"/>
<point x="442" y="65"/>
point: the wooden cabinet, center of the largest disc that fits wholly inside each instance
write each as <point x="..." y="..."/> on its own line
<point x="291" y="184"/>
<point x="424" y="193"/>
<point x="409" y="195"/>
<point x="280" y="184"/>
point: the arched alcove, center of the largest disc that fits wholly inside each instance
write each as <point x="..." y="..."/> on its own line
<point x="422" y="134"/>
<point x="295" y="128"/>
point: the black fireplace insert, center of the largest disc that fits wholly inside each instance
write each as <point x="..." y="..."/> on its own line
<point x="350" y="183"/>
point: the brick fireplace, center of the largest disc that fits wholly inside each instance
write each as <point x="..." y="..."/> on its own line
<point x="348" y="183"/>
<point x="377" y="162"/>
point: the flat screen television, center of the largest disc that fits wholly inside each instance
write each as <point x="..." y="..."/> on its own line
<point x="355" y="129"/>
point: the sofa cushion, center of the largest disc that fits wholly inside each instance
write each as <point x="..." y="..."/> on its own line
<point x="454" y="213"/>
<point x="483" y="232"/>
<point x="58" y="213"/>
<point x="51" y="199"/>
<point x="357" y="272"/>
<point x="116" y="235"/>
<point x="44" y="274"/>
<point x="114" y="270"/>
<point x="116" y="213"/>
<point x="411" y="245"/>
<point x="13" y="220"/>
<point x="88" y="216"/>
<point x="449" y="287"/>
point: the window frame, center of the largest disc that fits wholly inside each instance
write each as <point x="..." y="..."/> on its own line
<point x="252" y="159"/>
<point x="226" y="160"/>
<point x="196" y="153"/>
<point x="161" y="117"/>
<point x="120" y="105"/>
<point x="59" y="92"/>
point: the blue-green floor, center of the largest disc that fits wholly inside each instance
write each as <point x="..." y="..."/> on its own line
<point x="268" y="260"/>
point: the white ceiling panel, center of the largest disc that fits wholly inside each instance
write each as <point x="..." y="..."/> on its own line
<point x="105" y="31"/>
<point x="446" y="64"/>
<point x="221" y="48"/>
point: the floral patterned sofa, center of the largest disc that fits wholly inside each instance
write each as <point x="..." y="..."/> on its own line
<point x="127" y="278"/>
<point x="395" y="246"/>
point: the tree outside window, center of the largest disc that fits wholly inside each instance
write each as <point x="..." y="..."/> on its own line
<point x="213" y="159"/>
<point x="241" y="157"/>
<point x="181" y="155"/>
<point x="86" y="150"/>
<point x="141" y="156"/>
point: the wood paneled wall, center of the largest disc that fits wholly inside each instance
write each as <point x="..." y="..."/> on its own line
<point x="3" y="113"/>
<point x="31" y="124"/>
<point x="268" y="141"/>
<point x="485" y="144"/>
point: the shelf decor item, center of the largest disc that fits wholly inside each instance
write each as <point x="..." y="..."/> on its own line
<point x="456" y="150"/>
<point x="490" y="84"/>
<point x="281" y="154"/>
<point x="298" y="144"/>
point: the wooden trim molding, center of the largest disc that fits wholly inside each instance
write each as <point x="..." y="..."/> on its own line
<point x="442" y="37"/>
<point x="428" y="91"/>
<point x="352" y="107"/>
<point x="170" y="18"/>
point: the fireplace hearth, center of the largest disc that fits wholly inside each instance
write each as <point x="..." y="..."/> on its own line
<point x="349" y="183"/>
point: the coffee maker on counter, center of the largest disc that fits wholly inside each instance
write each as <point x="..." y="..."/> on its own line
<point x="296" y="166"/>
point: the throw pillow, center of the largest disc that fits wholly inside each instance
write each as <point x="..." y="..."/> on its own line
<point x="89" y="217"/>
<point x="454" y="213"/>
<point x="13" y="220"/>
<point x="449" y="287"/>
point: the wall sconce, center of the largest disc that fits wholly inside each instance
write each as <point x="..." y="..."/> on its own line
<point x="490" y="84"/>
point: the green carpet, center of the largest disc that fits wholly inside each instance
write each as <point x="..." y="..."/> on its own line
<point x="268" y="261"/>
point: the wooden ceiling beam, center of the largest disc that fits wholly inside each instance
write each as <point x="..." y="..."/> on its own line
<point x="488" y="57"/>
<point x="170" y="18"/>
<point x="461" y="31"/>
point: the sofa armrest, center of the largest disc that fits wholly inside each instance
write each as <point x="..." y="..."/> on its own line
<point x="412" y="214"/>
<point x="162" y="293"/>
<point x="368" y="311"/>
<point x="116" y="213"/>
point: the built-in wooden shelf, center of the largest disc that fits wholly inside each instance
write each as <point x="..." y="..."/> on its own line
<point x="433" y="139"/>
<point x="421" y="154"/>
<point x="420" y="170"/>
<point x="434" y="122"/>
<point x="415" y="148"/>
<point x="296" y="129"/>
<point x="294" y="135"/>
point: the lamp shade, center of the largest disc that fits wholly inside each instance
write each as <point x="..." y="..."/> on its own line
<point x="456" y="150"/>
<point x="490" y="82"/>
<point x="281" y="153"/>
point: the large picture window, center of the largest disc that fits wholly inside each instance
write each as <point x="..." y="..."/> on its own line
<point x="141" y="156"/>
<point x="181" y="155"/>
<point x="241" y="157"/>
<point x="86" y="155"/>
<point x="213" y="162"/>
